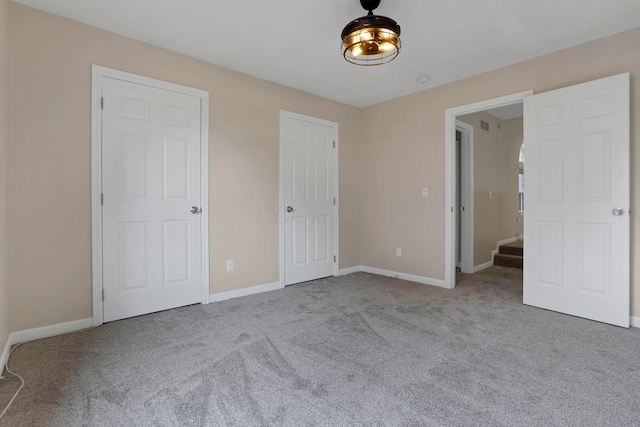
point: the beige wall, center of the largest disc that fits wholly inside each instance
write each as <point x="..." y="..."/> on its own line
<point x="4" y="139"/>
<point x="388" y="152"/>
<point x="50" y="235"/>
<point x="495" y="158"/>
<point x="403" y="150"/>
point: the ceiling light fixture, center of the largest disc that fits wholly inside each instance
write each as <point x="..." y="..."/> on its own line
<point x="371" y="39"/>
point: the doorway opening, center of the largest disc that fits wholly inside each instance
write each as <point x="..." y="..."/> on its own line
<point x="472" y="204"/>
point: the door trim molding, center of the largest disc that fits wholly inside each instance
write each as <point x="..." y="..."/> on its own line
<point x="336" y="209"/>
<point x="450" y="204"/>
<point x="468" y="185"/>
<point x="97" y="74"/>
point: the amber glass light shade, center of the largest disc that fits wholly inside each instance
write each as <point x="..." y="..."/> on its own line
<point x="371" y="40"/>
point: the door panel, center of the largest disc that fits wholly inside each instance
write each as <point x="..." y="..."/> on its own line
<point x="578" y="157"/>
<point x="309" y="229"/>
<point x="175" y="170"/>
<point x="176" y="254"/>
<point x="151" y="178"/>
<point x="133" y="265"/>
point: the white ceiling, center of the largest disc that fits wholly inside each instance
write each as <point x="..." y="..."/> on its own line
<point x="297" y="42"/>
<point x="507" y="112"/>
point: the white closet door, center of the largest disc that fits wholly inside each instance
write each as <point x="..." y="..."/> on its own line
<point x="309" y="217"/>
<point x="151" y="180"/>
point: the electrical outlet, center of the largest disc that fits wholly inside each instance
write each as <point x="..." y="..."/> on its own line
<point x="425" y="192"/>
<point x="398" y="252"/>
<point x="229" y="265"/>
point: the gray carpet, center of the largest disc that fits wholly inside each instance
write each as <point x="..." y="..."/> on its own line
<point x="358" y="350"/>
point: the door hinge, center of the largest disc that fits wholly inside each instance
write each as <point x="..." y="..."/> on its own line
<point x="334" y="201"/>
<point x="334" y="144"/>
<point x="102" y="103"/>
<point x="102" y="198"/>
<point x="103" y="295"/>
<point x="334" y="258"/>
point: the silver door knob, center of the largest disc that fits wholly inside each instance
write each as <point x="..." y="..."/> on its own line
<point x="289" y="209"/>
<point x="618" y="211"/>
<point x="195" y="210"/>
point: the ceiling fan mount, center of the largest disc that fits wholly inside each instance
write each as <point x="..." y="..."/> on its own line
<point x="370" y="5"/>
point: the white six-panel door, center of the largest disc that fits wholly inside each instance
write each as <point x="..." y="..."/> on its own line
<point x="577" y="200"/>
<point x="150" y="182"/>
<point x="309" y="205"/>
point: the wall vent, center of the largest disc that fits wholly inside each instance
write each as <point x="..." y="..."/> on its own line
<point x="484" y="125"/>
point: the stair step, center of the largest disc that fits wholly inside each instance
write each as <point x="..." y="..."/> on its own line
<point x="507" y="260"/>
<point x="514" y="248"/>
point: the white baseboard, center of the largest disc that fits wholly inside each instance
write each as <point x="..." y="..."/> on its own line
<point x="223" y="296"/>
<point x="635" y="322"/>
<point x="480" y="267"/>
<point x="505" y="241"/>
<point x="43" y="332"/>
<point x="50" y="331"/>
<point x="403" y="276"/>
<point x="345" y="271"/>
<point x="5" y="355"/>
<point x="493" y="254"/>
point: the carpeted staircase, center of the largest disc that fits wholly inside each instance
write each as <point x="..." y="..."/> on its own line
<point x="510" y="255"/>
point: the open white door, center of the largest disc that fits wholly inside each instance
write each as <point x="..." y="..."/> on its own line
<point x="309" y="198"/>
<point x="577" y="208"/>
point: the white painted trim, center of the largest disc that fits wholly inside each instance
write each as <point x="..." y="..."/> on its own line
<point x="484" y="266"/>
<point x="288" y="114"/>
<point x="349" y="270"/>
<point x="96" y="190"/>
<point x="204" y="193"/>
<point x="336" y="193"/>
<point x="468" y="185"/>
<point x="497" y="249"/>
<point x="493" y="254"/>
<point x="97" y="75"/>
<point x="50" y="331"/>
<point x="223" y="296"/>
<point x="403" y="276"/>
<point x="505" y="242"/>
<point x="4" y="357"/>
<point x="450" y="179"/>
<point x="42" y="332"/>
<point x="635" y="322"/>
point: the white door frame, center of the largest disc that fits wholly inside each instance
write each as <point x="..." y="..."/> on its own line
<point x="467" y="228"/>
<point x="336" y="209"/>
<point x="450" y="203"/>
<point x="97" y="74"/>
